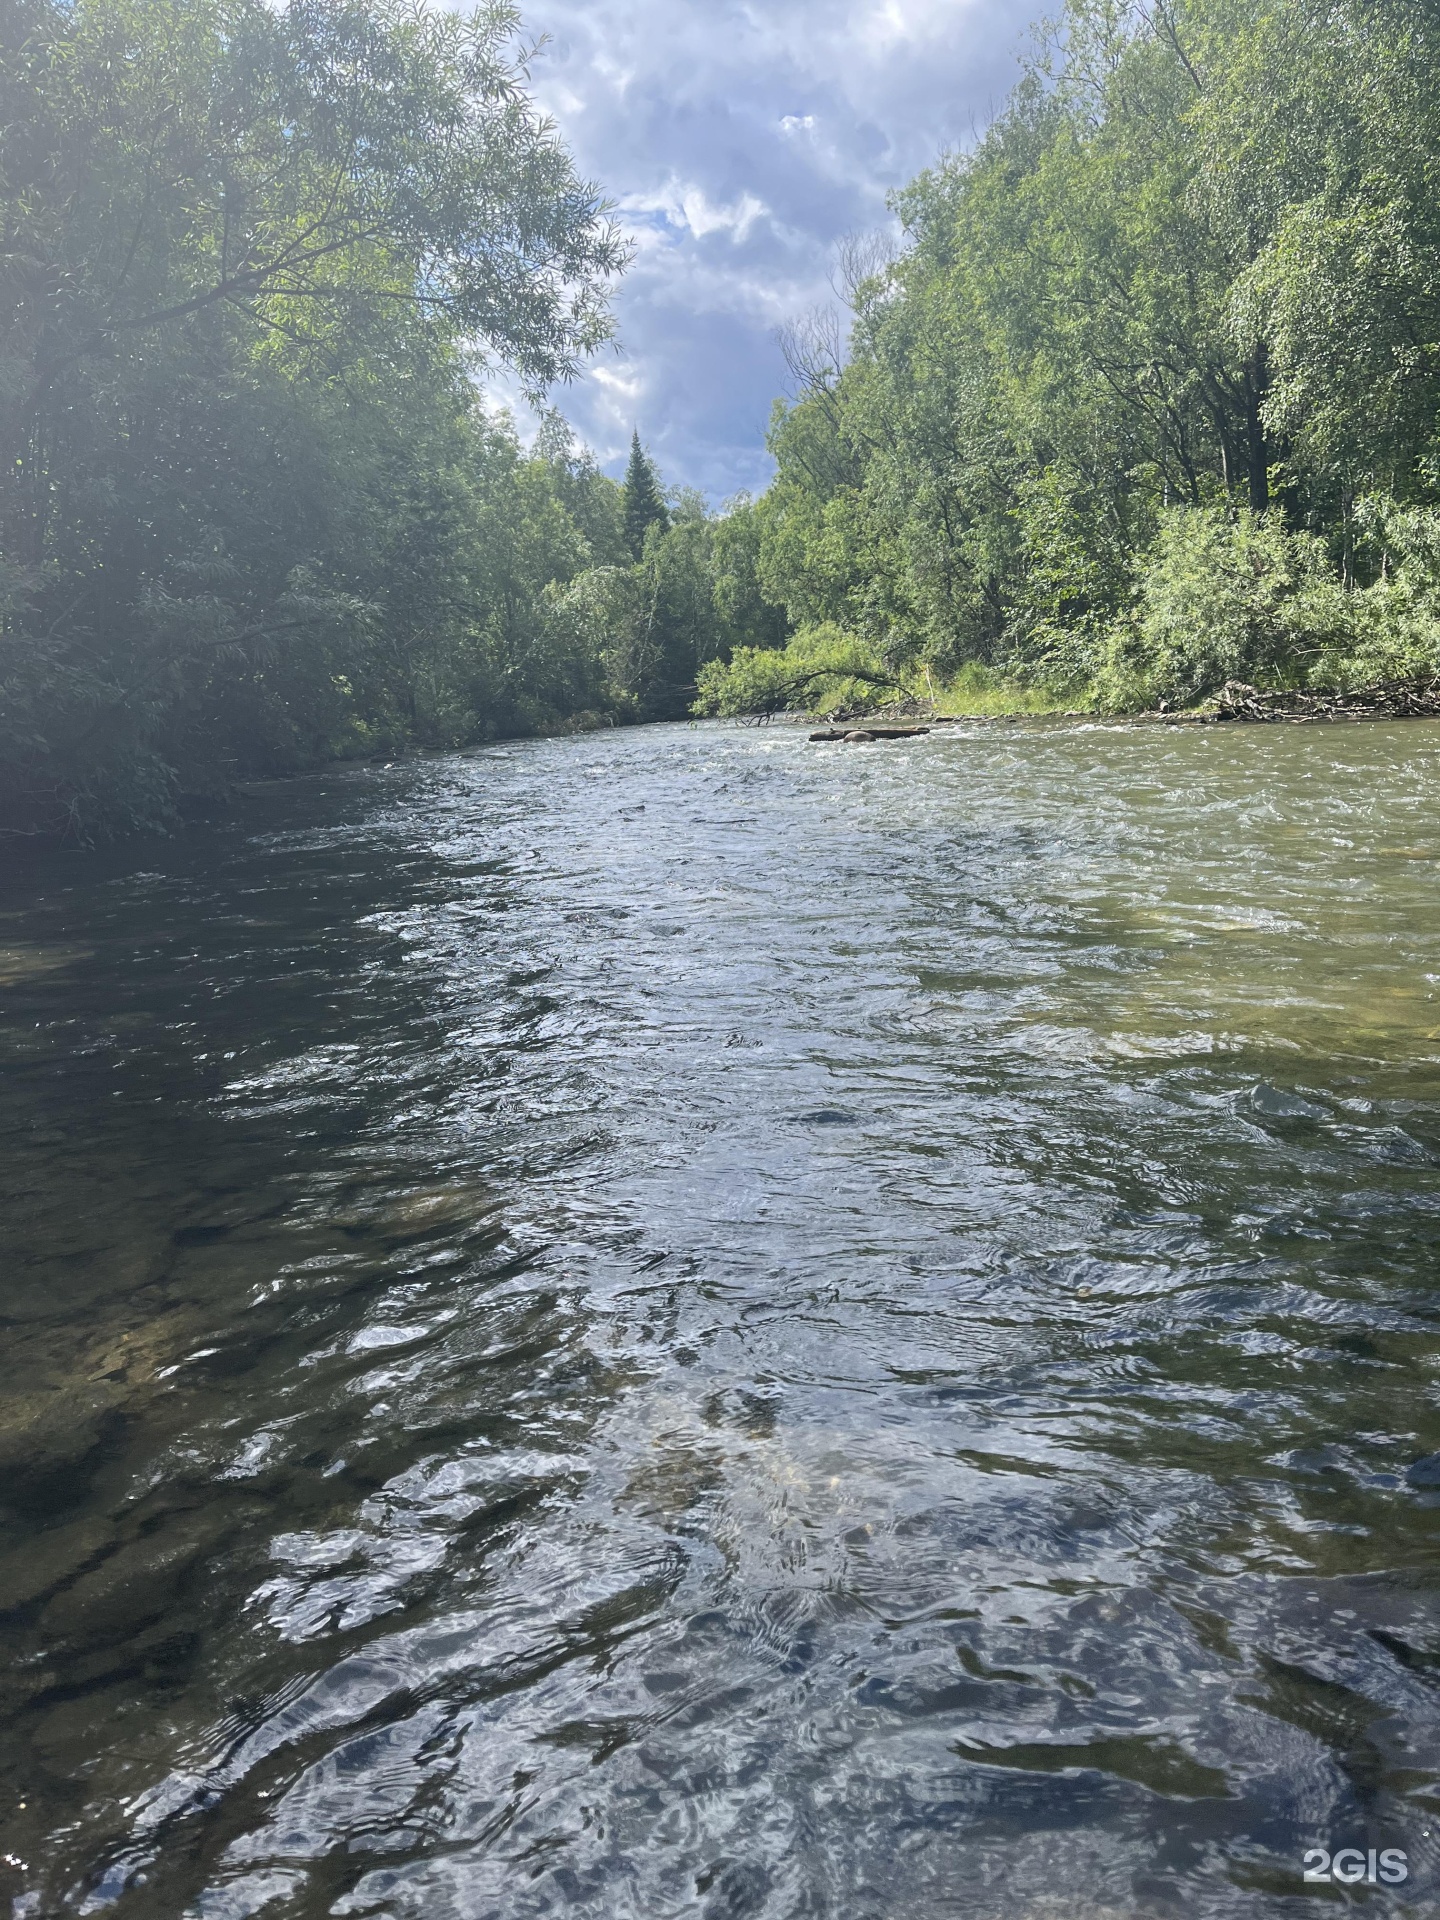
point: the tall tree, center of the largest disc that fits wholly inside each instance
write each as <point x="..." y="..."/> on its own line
<point x="249" y="254"/>
<point x="1193" y="268"/>
<point x="644" y="508"/>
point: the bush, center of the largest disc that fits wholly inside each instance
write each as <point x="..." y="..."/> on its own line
<point x="1393" y="626"/>
<point x="1224" y="596"/>
<point x="985" y="691"/>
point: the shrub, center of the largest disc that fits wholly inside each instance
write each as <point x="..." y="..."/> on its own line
<point x="1224" y="596"/>
<point x="1393" y="626"/>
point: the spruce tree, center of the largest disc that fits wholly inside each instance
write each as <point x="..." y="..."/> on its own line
<point x="643" y="505"/>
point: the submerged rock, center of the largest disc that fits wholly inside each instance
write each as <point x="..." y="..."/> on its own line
<point x="48" y="1559"/>
<point x="1270" y="1103"/>
<point x="1399" y="1148"/>
<point x="137" y="1584"/>
<point x="396" y="1219"/>
<point x="46" y="1440"/>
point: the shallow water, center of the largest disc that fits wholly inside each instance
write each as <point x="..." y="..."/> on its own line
<point x="686" y="1323"/>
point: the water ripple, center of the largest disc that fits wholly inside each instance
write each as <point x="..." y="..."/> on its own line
<point x="669" y="1324"/>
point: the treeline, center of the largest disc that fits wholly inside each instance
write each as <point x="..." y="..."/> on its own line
<point x="1146" y="402"/>
<point x="253" y="513"/>
<point x="1149" y="399"/>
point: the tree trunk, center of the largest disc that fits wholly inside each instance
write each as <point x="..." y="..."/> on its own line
<point x="1257" y="447"/>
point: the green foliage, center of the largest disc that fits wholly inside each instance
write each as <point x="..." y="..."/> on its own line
<point x="644" y="508"/>
<point x="656" y="627"/>
<point x="1105" y="423"/>
<point x="1225" y="596"/>
<point x="982" y="691"/>
<point x="1391" y="629"/>
<point x="822" y="669"/>
<point x="747" y="618"/>
<point x="250" y="511"/>
<point x="1240" y="597"/>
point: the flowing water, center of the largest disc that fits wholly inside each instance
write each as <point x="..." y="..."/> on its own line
<point x="687" y="1323"/>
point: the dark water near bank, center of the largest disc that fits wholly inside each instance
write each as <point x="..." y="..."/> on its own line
<point x="689" y="1324"/>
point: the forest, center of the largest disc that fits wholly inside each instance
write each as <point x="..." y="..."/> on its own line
<point x="1146" y="402"/>
<point x="1142" y="400"/>
<point x="254" y="511"/>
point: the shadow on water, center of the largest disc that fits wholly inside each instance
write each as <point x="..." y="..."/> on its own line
<point x="690" y="1324"/>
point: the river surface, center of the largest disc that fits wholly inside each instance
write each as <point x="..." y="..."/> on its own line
<point x="683" y="1323"/>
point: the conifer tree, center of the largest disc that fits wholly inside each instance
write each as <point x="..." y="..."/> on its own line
<point x="644" y="507"/>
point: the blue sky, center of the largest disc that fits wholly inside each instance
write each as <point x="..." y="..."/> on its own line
<point x="741" y="143"/>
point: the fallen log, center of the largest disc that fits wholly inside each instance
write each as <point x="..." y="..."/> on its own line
<point x="858" y="735"/>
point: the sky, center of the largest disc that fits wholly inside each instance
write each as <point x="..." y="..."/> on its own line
<point x="741" y="143"/>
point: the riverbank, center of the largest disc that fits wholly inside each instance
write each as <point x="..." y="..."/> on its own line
<point x="1236" y="701"/>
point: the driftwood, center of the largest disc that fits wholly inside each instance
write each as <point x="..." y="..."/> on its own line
<point x="860" y="735"/>
<point x="1385" y="700"/>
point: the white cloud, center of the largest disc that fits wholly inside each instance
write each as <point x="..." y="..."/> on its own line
<point x="741" y="139"/>
<point x="688" y="207"/>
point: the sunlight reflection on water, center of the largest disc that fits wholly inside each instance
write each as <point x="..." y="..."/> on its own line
<point x="685" y="1323"/>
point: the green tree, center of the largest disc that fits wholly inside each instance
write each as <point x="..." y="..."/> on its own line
<point x="1192" y="269"/>
<point x="747" y="617"/>
<point x="250" y="258"/>
<point x="644" y="504"/>
<point x="656" y="625"/>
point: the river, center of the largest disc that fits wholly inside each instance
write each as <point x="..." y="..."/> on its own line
<point x="685" y="1323"/>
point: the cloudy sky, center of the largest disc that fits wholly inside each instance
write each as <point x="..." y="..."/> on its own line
<point x="741" y="143"/>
